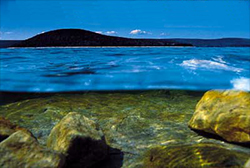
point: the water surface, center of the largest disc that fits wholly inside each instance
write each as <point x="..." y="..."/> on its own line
<point x="130" y="68"/>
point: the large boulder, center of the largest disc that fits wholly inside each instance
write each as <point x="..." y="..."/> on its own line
<point x="199" y="155"/>
<point x="225" y="113"/>
<point x="7" y="128"/>
<point x="131" y="122"/>
<point x="79" y="139"/>
<point x="247" y="165"/>
<point x="21" y="150"/>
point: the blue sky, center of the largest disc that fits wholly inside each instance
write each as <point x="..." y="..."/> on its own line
<point x="21" y="19"/>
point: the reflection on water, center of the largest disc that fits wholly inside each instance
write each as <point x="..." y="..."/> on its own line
<point x="142" y="127"/>
<point x="79" y="69"/>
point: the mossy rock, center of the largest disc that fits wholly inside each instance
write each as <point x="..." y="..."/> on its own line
<point x="225" y="113"/>
<point x="131" y="122"/>
<point x="122" y="116"/>
<point x="21" y="150"/>
<point x="79" y="139"/>
<point x="202" y="155"/>
<point x="7" y="128"/>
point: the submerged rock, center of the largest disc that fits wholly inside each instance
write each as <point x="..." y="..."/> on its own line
<point x="225" y="113"/>
<point x="20" y="150"/>
<point x="194" y="156"/>
<point x="79" y="139"/>
<point x="247" y="165"/>
<point x="7" y="128"/>
<point x="132" y="122"/>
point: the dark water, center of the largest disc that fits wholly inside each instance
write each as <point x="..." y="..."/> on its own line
<point x="83" y="69"/>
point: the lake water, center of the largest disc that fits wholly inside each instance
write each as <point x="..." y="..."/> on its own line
<point x="170" y="80"/>
<point x="132" y="68"/>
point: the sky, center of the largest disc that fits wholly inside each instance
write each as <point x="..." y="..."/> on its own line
<point x="22" y="19"/>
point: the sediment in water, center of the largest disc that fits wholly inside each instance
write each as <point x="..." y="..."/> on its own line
<point x="132" y="122"/>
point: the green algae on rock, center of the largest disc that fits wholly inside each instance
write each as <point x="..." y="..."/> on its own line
<point x="201" y="155"/>
<point x="132" y="122"/>
<point x="247" y="165"/>
<point x="225" y="113"/>
<point x="23" y="151"/>
<point x="78" y="138"/>
<point x="116" y="114"/>
<point x="7" y="128"/>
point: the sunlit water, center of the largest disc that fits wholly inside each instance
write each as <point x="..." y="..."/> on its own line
<point x="135" y="68"/>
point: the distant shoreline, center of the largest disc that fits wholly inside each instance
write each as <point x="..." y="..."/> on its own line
<point x="78" y="38"/>
<point x="106" y="47"/>
<point x="123" y="47"/>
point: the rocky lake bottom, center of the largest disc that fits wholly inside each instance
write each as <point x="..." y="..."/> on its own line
<point x="141" y="128"/>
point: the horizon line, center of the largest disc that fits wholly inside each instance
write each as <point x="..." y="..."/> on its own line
<point x="189" y="38"/>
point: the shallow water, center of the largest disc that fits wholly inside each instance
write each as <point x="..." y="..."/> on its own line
<point x="134" y="119"/>
<point x="82" y="69"/>
<point x="132" y="123"/>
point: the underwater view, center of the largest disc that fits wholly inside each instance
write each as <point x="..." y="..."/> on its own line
<point x="81" y="86"/>
<point x="142" y="101"/>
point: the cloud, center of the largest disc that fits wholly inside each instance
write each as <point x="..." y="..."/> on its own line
<point x="99" y="32"/>
<point x="164" y="34"/>
<point x="139" y="32"/>
<point x="8" y="32"/>
<point x="241" y="84"/>
<point x="111" y="32"/>
<point x="41" y="32"/>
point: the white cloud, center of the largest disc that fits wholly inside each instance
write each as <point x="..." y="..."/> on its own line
<point x="111" y="32"/>
<point x="8" y="32"/>
<point x="99" y="32"/>
<point x="164" y="34"/>
<point x="241" y="84"/>
<point x="41" y="32"/>
<point x="5" y="32"/>
<point x="139" y="32"/>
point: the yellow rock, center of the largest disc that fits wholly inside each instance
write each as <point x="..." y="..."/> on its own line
<point x="79" y="139"/>
<point x="7" y="128"/>
<point x="201" y="155"/>
<point x="21" y="150"/>
<point x="225" y="113"/>
<point x="247" y="165"/>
